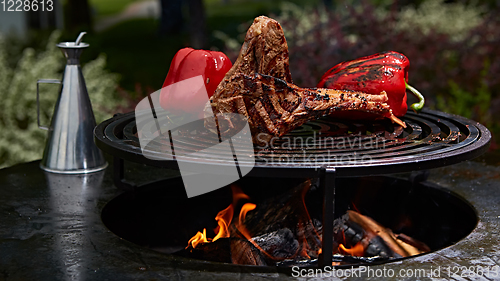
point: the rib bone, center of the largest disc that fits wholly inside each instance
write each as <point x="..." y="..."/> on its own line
<point x="274" y="107"/>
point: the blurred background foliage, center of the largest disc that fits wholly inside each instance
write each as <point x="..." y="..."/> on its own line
<point x="452" y="47"/>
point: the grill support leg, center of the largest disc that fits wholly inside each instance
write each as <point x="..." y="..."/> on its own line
<point x="119" y="175"/>
<point x="327" y="182"/>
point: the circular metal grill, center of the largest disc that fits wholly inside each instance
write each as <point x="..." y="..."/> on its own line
<point x="431" y="139"/>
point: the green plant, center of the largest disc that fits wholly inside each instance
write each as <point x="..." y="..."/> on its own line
<point x="21" y="139"/>
<point x="475" y="105"/>
<point x="453" y="19"/>
<point x="110" y="7"/>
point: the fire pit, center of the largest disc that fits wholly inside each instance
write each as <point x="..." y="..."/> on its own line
<point x="51" y="228"/>
<point x="421" y="210"/>
<point x="328" y="151"/>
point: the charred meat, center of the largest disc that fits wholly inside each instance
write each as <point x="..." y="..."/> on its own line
<point x="274" y="107"/>
<point x="259" y="86"/>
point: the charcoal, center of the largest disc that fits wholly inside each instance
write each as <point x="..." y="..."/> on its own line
<point x="378" y="247"/>
<point x="287" y="211"/>
<point x="353" y="233"/>
<point x="227" y="250"/>
<point x="340" y="223"/>
<point x="243" y="252"/>
<point x="273" y="214"/>
<point x="217" y="251"/>
<point x="280" y="244"/>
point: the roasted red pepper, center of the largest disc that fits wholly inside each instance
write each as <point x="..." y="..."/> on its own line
<point x="386" y="71"/>
<point x="196" y="74"/>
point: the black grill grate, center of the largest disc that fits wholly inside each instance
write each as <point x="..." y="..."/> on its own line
<point x="431" y="139"/>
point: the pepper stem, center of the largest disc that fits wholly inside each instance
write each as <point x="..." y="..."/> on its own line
<point x="421" y="100"/>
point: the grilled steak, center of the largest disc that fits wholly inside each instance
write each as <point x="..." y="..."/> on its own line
<point x="274" y="107"/>
<point x="264" y="51"/>
<point x="259" y="87"/>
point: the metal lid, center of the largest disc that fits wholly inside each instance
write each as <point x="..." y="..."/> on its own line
<point x="72" y="45"/>
<point x="73" y="50"/>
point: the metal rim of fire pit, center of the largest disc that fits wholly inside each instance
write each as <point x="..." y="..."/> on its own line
<point x="432" y="139"/>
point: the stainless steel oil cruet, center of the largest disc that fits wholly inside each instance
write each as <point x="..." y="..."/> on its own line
<point x="70" y="147"/>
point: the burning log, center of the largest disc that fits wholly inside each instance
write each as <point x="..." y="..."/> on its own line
<point x="353" y="240"/>
<point x="243" y="252"/>
<point x="422" y="247"/>
<point x="217" y="251"/>
<point x="284" y="217"/>
<point x="280" y="244"/>
<point x="352" y="232"/>
<point x="398" y="246"/>
<point x="377" y="230"/>
<point x="376" y="246"/>
<point x="281" y="230"/>
<point x="227" y="250"/>
<point x="278" y="212"/>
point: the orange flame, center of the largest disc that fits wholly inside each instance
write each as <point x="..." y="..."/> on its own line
<point x="305" y="247"/>
<point x="242" y="229"/>
<point x="198" y="238"/>
<point x="306" y="222"/>
<point x="224" y="219"/>
<point x="310" y="245"/>
<point x="357" y="250"/>
<point x="243" y="213"/>
<point x="238" y="194"/>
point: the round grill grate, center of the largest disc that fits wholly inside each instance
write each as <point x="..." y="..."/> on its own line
<point x="431" y="139"/>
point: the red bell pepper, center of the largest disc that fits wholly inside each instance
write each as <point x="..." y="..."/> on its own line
<point x="192" y="79"/>
<point x="386" y="71"/>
